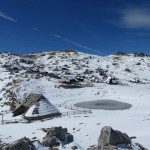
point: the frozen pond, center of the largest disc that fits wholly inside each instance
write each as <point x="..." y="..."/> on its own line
<point x="104" y="104"/>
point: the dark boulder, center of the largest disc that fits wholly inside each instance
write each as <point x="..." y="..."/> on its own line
<point x="112" y="137"/>
<point x="69" y="138"/>
<point x="22" y="144"/>
<point x="57" y="135"/>
<point x="140" y="146"/>
<point x="58" y="132"/>
<point x="50" y="141"/>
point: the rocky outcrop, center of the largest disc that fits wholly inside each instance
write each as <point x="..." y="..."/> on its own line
<point x="57" y="135"/>
<point x="110" y="139"/>
<point x="135" y="54"/>
<point x="140" y="146"/>
<point x="69" y="138"/>
<point x="22" y="144"/>
<point x="54" y="137"/>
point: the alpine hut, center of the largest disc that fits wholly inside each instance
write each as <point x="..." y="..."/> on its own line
<point x="36" y="106"/>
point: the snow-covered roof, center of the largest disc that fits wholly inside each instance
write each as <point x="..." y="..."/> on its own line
<point x="42" y="108"/>
<point x="36" y="105"/>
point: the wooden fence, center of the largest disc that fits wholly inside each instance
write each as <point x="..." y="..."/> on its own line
<point x="13" y="121"/>
<point x="75" y="111"/>
<point x="74" y="108"/>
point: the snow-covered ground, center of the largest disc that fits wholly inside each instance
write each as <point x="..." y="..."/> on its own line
<point x="85" y="127"/>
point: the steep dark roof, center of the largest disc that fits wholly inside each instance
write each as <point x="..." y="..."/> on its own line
<point x="27" y="103"/>
<point x="32" y="99"/>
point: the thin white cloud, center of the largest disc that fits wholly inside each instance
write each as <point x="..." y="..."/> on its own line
<point x="139" y="33"/>
<point x="79" y="45"/>
<point x="3" y="15"/>
<point x="143" y="33"/>
<point x="133" y="18"/>
<point x="136" y="18"/>
<point x="58" y="36"/>
<point x="36" y="29"/>
<point x="76" y="44"/>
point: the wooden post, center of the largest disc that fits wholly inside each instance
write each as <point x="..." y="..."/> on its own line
<point x="2" y="118"/>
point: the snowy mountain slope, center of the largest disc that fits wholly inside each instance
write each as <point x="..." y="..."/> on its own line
<point x="41" y="73"/>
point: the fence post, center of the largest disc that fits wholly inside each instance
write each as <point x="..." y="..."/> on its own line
<point x="2" y="118"/>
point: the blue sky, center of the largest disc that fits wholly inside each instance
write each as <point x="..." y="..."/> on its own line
<point x="93" y="26"/>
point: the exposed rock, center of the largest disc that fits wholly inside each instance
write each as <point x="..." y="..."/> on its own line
<point x="109" y="80"/>
<point x="140" y="146"/>
<point x="127" y="70"/>
<point x="136" y="54"/>
<point x="56" y="135"/>
<point x="50" y="141"/>
<point x="88" y="71"/>
<point x="74" y="147"/>
<point x="45" y="129"/>
<point x="54" y="148"/>
<point x="71" y="86"/>
<point x="112" y="137"/>
<point x="112" y="80"/>
<point x="22" y="144"/>
<point x="138" y="63"/>
<point x="65" y="130"/>
<point x="69" y="138"/>
<point x="135" y="80"/>
<point x="119" y="53"/>
<point x="133" y="137"/>
<point x="58" y="132"/>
